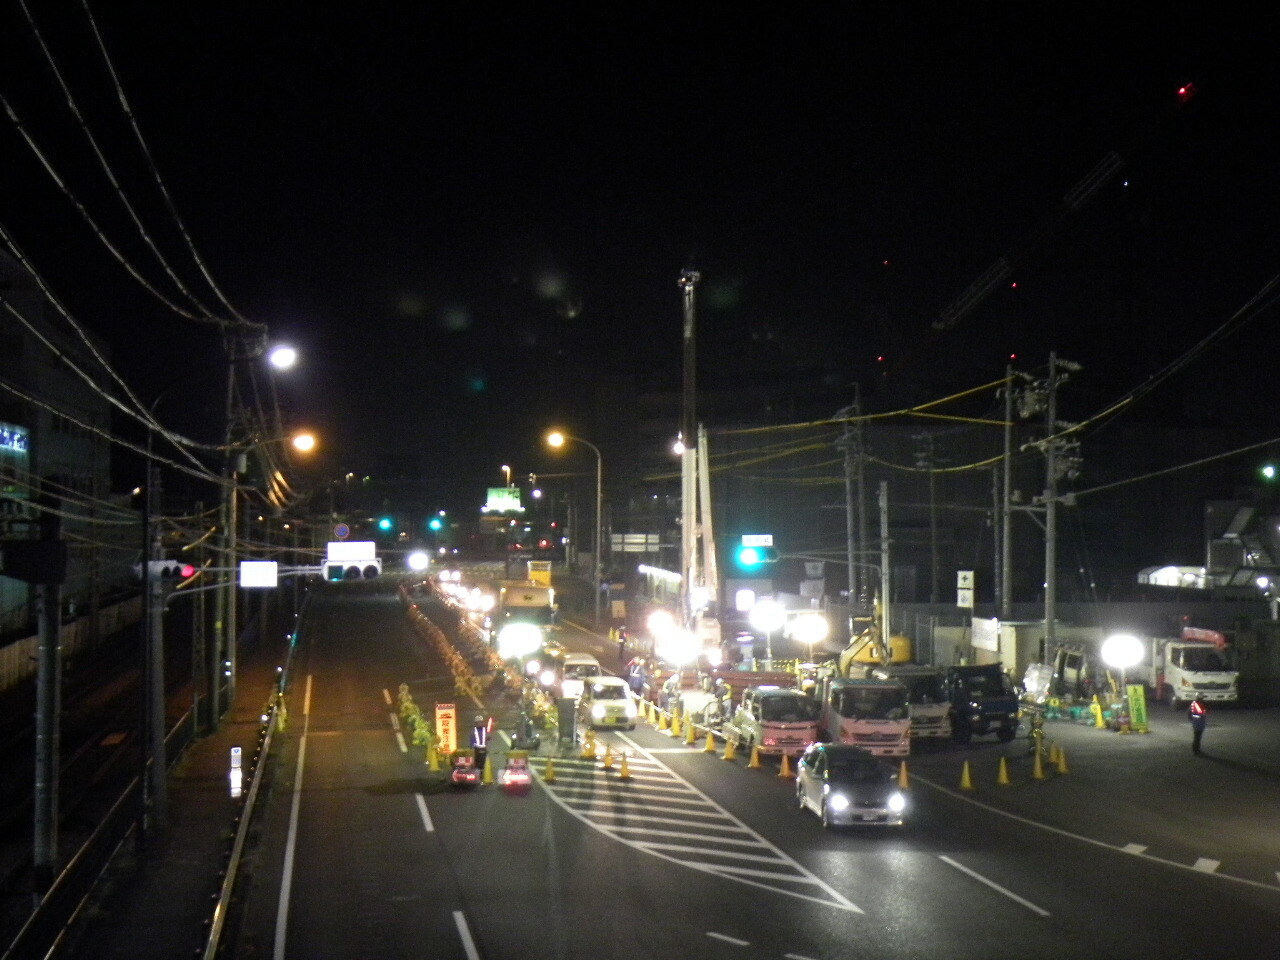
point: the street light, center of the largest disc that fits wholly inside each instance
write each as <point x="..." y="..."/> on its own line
<point x="506" y="472"/>
<point x="558" y="439"/>
<point x="768" y="616"/>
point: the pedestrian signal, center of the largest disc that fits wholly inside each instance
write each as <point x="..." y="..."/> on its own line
<point x="353" y="570"/>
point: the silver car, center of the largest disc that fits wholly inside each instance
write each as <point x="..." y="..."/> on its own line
<point x="847" y="786"/>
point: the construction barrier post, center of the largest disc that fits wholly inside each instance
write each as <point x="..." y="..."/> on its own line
<point x="488" y="770"/>
<point x="433" y="759"/>
<point x="966" y="781"/>
<point x="904" y="782"/>
<point x="1037" y="770"/>
<point x="549" y="775"/>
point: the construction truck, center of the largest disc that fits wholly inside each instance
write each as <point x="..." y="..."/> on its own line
<point x="527" y="602"/>
<point x="868" y="713"/>
<point x="774" y="720"/>
<point x="1196" y="666"/>
<point x="983" y="700"/>
<point x="926" y="698"/>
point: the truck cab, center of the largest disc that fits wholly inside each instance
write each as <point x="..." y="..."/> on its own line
<point x="926" y="698"/>
<point x="1186" y="670"/>
<point x="983" y="700"/>
<point x="774" y="720"/>
<point x="872" y="714"/>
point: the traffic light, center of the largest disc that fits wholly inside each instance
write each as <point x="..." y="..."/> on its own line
<point x="169" y="571"/>
<point x="436" y="523"/>
<point x="753" y="558"/>
<point x="352" y="570"/>
<point x="386" y="524"/>
<point x="1269" y="471"/>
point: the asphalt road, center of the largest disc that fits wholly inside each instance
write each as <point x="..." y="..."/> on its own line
<point x="1139" y="850"/>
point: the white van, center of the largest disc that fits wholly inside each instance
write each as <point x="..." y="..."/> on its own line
<point x="578" y="668"/>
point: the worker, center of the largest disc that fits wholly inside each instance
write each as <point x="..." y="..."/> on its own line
<point x="480" y="739"/>
<point x="1198" y="716"/>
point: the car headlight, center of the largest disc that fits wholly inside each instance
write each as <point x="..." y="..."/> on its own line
<point x="897" y="802"/>
<point x="548" y="678"/>
<point x="838" y="801"/>
<point x="597" y="711"/>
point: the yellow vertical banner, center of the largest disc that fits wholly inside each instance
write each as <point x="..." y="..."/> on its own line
<point x="446" y="729"/>
<point x="1137" y="706"/>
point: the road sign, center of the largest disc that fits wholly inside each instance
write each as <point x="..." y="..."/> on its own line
<point x="341" y="531"/>
<point x="964" y="589"/>
<point x="446" y="728"/>
<point x="757" y="539"/>
<point x="259" y="573"/>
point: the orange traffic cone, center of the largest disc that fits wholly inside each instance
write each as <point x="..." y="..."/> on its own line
<point x="784" y="768"/>
<point x="1003" y="777"/>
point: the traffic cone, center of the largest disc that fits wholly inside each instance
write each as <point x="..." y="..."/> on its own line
<point x="675" y="724"/>
<point x="1037" y="769"/>
<point x="690" y="733"/>
<point x="624" y="771"/>
<point x="966" y="781"/>
<point x="730" y="750"/>
<point x="904" y="783"/>
<point x="784" y="768"/>
<point x="608" y="756"/>
<point x="1003" y="777"/>
<point x="1062" y="761"/>
<point x="754" y="762"/>
<point x="1053" y="753"/>
<point x="549" y="774"/>
<point x="662" y="720"/>
<point x="488" y="770"/>
<point x="711" y="742"/>
<point x="589" y="746"/>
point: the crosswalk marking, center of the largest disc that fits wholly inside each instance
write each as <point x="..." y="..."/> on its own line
<point x="647" y="810"/>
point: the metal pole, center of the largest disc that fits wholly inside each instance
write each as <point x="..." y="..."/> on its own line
<point x="688" y="436"/>
<point x="1005" y="581"/>
<point x="599" y="523"/>
<point x="850" y="546"/>
<point x="884" y="567"/>
<point x="48" y="712"/>
<point x="1051" y="510"/>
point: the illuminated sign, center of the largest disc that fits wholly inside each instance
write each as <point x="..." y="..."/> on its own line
<point x="503" y="500"/>
<point x="351" y="551"/>
<point x="14" y="438"/>
<point x="446" y="729"/>
<point x="259" y="573"/>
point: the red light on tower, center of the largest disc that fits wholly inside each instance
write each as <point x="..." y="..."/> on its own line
<point x="1186" y="92"/>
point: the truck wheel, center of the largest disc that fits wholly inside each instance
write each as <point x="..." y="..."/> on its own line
<point x="1005" y="734"/>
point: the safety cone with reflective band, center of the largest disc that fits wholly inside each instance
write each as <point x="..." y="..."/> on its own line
<point x="755" y="758"/>
<point x="488" y="770"/>
<point x="711" y="742"/>
<point x="433" y="759"/>
<point x="549" y="774"/>
<point x="662" y="720"/>
<point x="966" y="781"/>
<point x="1037" y="769"/>
<point x="589" y="746"/>
<point x="904" y="782"/>
<point x="675" y="724"/>
<point x="1062" y="761"/>
<point x="784" y="768"/>
<point x="730" y="750"/>
<point x="608" y="756"/>
<point x="624" y="771"/>
<point x="690" y="734"/>
<point x="1002" y="777"/>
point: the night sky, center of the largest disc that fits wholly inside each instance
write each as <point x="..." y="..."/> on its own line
<point x="462" y="213"/>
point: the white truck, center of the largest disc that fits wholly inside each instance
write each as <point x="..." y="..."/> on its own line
<point x="774" y="720"/>
<point x="1196" y="666"/>
<point x="526" y="601"/>
<point x="926" y="699"/>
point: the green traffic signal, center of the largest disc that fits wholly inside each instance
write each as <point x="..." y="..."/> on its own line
<point x="386" y="523"/>
<point x="750" y="557"/>
<point x="435" y="523"/>
<point x="1269" y="471"/>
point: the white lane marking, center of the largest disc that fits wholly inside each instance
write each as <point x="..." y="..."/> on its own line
<point x="395" y="721"/>
<point x="404" y="748"/>
<point x="291" y="844"/>
<point x="426" y="815"/>
<point x="712" y="816"/>
<point x="727" y="854"/>
<point x="994" y="886"/>
<point x="386" y="695"/>
<point x="464" y="934"/>
<point x="1049" y="828"/>
<point x="795" y="956"/>
<point x="1136" y="848"/>
<point x="684" y="835"/>
<point x="728" y="939"/>
<point x="1205" y="865"/>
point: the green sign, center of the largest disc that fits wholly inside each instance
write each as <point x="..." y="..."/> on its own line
<point x="1137" y="706"/>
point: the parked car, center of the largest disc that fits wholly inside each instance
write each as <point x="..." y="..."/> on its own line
<point x="847" y="786"/>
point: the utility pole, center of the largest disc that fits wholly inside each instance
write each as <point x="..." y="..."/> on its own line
<point x="855" y="501"/>
<point x="1004" y="582"/>
<point x="926" y="460"/>
<point x="689" y="441"/>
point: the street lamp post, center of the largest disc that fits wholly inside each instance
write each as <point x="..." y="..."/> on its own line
<point x="558" y="439"/>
